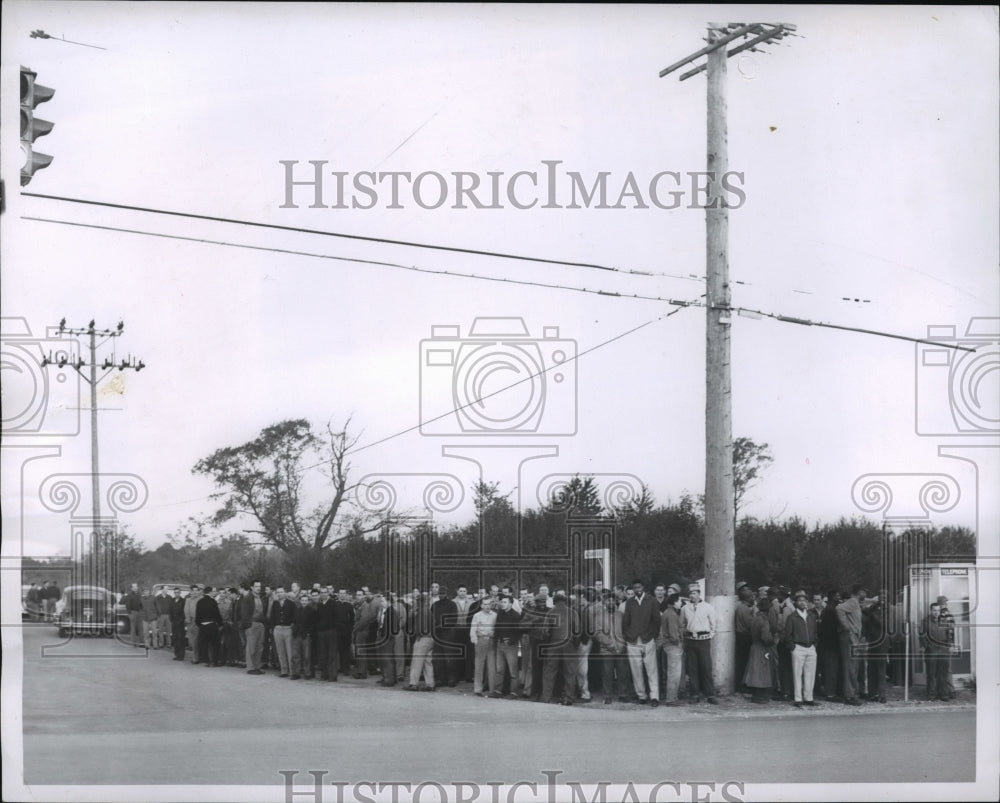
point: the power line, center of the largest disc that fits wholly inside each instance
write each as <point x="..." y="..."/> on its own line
<point x="525" y="282"/>
<point x="688" y="277"/>
<point x="358" y="237"/>
<point x="754" y="313"/>
<point x="359" y="260"/>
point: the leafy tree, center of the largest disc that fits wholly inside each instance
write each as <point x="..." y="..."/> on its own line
<point x="749" y="460"/>
<point x="579" y="497"/>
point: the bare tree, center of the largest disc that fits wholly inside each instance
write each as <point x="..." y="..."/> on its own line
<point x="264" y="480"/>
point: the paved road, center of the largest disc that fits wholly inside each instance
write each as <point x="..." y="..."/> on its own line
<point x="114" y="715"/>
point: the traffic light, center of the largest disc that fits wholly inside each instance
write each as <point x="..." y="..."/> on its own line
<point x="31" y="127"/>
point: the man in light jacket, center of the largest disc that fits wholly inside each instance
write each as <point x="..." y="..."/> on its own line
<point x="849" y="620"/>
<point x="481" y="636"/>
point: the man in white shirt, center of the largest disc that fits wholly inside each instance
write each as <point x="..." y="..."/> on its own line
<point x="698" y="623"/>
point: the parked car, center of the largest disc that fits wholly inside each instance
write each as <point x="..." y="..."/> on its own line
<point x="88" y="609"/>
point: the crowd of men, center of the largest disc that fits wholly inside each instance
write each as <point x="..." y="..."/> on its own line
<point x="40" y="600"/>
<point x="619" y="643"/>
<point x="841" y="647"/>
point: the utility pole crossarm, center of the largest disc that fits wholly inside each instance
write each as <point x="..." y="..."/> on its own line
<point x="764" y="33"/>
<point x="93" y="333"/>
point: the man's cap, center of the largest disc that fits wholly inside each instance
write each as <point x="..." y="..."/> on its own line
<point x="942" y="600"/>
<point x="673" y="588"/>
<point x="741" y="584"/>
<point x="763" y="589"/>
<point x="801" y="595"/>
<point x="541" y="598"/>
<point x="784" y="590"/>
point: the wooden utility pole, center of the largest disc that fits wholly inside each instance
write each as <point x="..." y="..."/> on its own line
<point x="720" y="501"/>
<point x="109" y="364"/>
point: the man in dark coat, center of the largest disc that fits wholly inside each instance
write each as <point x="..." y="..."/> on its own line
<point x="762" y="663"/>
<point x="561" y="652"/>
<point x="133" y="606"/>
<point x="328" y="622"/>
<point x="209" y="621"/>
<point x="345" y="627"/>
<point x="535" y="625"/>
<point x="937" y="640"/>
<point x="386" y="627"/>
<point x="877" y="647"/>
<point x="742" y="619"/>
<point x="641" y="628"/>
<point x="177" y="624"/>
<point x="829" y="646"/>
<point x="446" y="645"/>
<point x="304" y="634"/>
<point x="800" y="638"/>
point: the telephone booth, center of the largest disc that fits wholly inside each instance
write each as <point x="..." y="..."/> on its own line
<point x="957" y="582"/>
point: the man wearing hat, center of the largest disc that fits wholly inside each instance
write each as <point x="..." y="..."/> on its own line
<point x="800" y="636"/>
<point x="743" y="618"/>
<point x="849" y="620"/>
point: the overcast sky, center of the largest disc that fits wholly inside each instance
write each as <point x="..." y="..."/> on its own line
<point x="867" y="153"/>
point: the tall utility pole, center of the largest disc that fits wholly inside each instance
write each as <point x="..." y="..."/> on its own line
<point x="720" y="502"/>
<point x="107" y="366"/>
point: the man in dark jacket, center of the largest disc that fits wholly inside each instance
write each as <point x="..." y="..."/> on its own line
<point x="386" y="627"/>
<point x="253" y="621"/>
<point x="829" y="646"/>
<point x="345" y="628"/>
<point x="329" y="618"/>
<point x="800" y="637"/>
<point x="507" y="633"/>
<point x="445" y="642"/>
<point x="177" y="624"/>
<point x="936" y="641"/>
<point x="209" y="621"/>
<point x="281" y="619"/>
<point x="133" y="606"/>
<point x="162" y="604"/>
<point x="535" y="626"/>
<point x="876" y="646"/>
<point x="304" y="634"/>
<point x="641" y="627"/>
<point x="561" y="652"/>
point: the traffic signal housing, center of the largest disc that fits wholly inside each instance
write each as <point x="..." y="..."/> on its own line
<point x="32" y="127"/>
